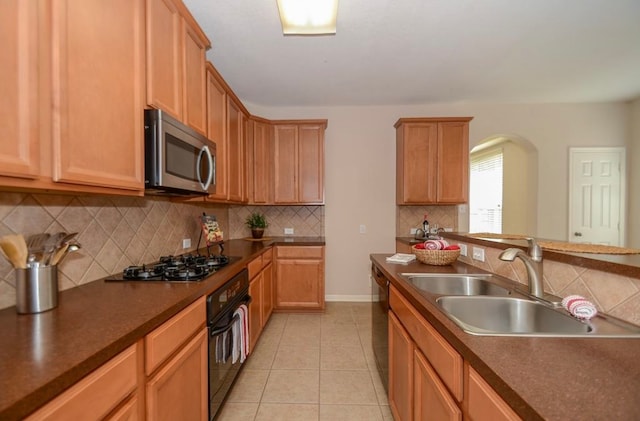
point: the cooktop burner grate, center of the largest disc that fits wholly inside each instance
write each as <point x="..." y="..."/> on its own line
<point x="182" y="268"/>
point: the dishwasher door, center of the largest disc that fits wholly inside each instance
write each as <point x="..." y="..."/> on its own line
<point x="379" y="324"/>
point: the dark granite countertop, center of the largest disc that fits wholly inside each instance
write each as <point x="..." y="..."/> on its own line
<point x="43" y="354"/>
<point x="541" y="378"/>
<point x="620" y="264"/>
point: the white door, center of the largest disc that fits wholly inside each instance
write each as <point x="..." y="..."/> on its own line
<point x="596" y="195"/>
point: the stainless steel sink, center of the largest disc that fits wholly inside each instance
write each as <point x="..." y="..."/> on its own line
<point x="455" y="284"/>
<point x="509" y="316"/>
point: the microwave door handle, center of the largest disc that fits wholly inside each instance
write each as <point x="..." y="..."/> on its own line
<point x="205" y="151"/>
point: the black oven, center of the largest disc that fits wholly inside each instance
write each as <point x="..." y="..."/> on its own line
<point x="226" y="308"/>
<point x="379" y="324"/>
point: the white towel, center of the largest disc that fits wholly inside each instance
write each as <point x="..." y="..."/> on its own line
<point x="579" y="307"/>
<point x="240" y="334"/>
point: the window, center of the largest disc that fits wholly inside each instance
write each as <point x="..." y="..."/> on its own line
<point x="485" y="201"/>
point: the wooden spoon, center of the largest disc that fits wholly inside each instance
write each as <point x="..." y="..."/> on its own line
<point x="15" y="250"/>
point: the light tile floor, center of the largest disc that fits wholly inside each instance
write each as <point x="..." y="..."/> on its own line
<point x="311" y="367"/>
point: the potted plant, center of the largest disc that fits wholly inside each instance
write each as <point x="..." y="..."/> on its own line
<point x="256" y="222"/>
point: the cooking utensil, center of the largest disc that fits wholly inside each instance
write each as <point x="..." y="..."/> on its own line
<point x="14" y="248"/>
<point x="51" y="245"/>
<point x="68" y="247"/>
<point x="35" y="245"/>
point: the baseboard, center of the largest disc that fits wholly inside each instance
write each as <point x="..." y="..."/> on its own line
<point x="348" y="298"/>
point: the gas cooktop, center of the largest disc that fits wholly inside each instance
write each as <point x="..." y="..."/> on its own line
<point x="184" y="268"/>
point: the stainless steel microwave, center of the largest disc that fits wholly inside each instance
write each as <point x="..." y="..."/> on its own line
<point x="178" y="160"/>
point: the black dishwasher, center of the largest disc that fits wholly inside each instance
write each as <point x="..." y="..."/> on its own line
<point x="379" y="324"/>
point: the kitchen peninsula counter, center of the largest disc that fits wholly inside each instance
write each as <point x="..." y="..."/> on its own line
<point x="540" y="378"/>
<point x="43" y="354"/>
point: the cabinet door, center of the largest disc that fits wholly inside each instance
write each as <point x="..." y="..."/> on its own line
<point x="180" y="390"/>
<point x="267" y="293"/>
<point x="285" y="144"/>
<point x="261" y="164"/>
<point x="164" y="57"/>
<point x="255" y="312"/>
<point x="235" y="151"/>
<point x="431" y="400"/>
<point x="300" y="284"/>
<point x="194" y="80"/>
<point x="98" y="64"/>
<point x="310" y="164"/>
<point x="416" y="155"/>
<point x="19" y="146"/>
<point x="400" y="371"/>
<point x="453" y="162"/>
<point x="216" y="131"/>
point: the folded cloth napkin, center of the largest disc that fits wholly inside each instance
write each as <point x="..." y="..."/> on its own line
<point x="579" y="307"/>
<point x="435" y="244"/>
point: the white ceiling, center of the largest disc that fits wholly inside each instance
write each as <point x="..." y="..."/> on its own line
<point x="430" y="51"/>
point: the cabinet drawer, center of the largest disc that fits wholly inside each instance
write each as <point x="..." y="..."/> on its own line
<point x="97" y="394"/>
<point x="254" y="267"/>
<point x="441" y="355"/>
<point x="166" y="339"/>
<point x="300" y="252"/>
<point x="267" y="257"/>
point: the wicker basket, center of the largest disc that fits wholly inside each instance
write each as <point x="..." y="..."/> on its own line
<point x="436" y="257"/>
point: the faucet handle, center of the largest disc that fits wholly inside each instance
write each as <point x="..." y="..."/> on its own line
<point x="535" y="251"/>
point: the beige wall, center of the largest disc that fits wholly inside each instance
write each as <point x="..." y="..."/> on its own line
<point x="360" y="169"/>
<point x="520" y="189"/>
<point x="633" y="168"/>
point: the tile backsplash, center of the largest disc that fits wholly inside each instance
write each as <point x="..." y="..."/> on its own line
<point x="306" y="221"/>
<point x="114" y="232"/>
<point x="408" y="217"/>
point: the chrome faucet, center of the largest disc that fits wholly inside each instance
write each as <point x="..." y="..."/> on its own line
<point x="532" y="262"/>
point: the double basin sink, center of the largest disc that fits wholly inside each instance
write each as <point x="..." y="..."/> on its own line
<point x="480" y="306"/>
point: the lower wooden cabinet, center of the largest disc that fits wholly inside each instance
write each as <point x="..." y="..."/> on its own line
<point x="401" y="350"/>
<point x="299" y="278"/>
<point x="431" y="400"/>
<point x="482" y="402"/>
<point x="180" y="389"/>
<point x="261" y="292"/>
<point x="100" y="393"/>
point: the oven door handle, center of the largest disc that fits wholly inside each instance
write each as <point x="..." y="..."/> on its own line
<point x="219" y="331"/>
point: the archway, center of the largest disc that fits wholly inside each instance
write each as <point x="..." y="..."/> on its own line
<point x="519" y="181"/>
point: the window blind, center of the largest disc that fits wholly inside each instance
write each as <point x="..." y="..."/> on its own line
<point x="485" y="191"/>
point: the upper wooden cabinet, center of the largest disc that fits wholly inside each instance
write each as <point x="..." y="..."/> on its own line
<point x="176" y="47"/>
<point x="299" y="161"/>
<point x="217" y="128"/>
<point x="73" y="86"/>
<point x="235" y="152"/>
<point x="260" y="162"/>
<point x="432" y="160"/>
<point x="20" y="143"/>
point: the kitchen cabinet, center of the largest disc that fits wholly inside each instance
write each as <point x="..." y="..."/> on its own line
<point x="261" y="292"/>
<point x="483" y="403"/>
<point x="19" y="149"/>
<point x="260" y="162"/>
<point x="235" y="151"/>
<point x="217" y="128"/>
<point x="176" y="365"/>
<point x="425" y="371"/>
<point x="176" y="69"/>
<point x="432" y="160"/>
<point x="78" y="125"/>
<point x="299" y="161"/>
<point x="299" y="278"/>
<point x="109" y="391"/>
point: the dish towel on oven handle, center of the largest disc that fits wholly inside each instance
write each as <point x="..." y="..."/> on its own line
<point x="240" y="334"/>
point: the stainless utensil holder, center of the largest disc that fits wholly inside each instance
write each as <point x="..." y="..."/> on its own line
<point x="37" y="289"/>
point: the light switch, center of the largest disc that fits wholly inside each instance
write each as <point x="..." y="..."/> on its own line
<point x="478" y="254"/>
<point x="288" y="231"/>
<point x="186" y="243"/>
<point x="363" y="229"/>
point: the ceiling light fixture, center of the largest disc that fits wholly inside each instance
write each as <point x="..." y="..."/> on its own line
<point x="308" y="17"/>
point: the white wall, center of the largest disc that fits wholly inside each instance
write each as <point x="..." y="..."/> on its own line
<point x="360" y="168"/>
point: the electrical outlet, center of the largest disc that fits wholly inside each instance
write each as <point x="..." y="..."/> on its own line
<point x="413" y="231"/>
<point x="186" y="243"/>
<point x="288" y="231"/>
<point x="448" y="229"/>
<point x="463" y="249"/>
<point x="363" y="229"/>
<point x="478" y="254"/>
